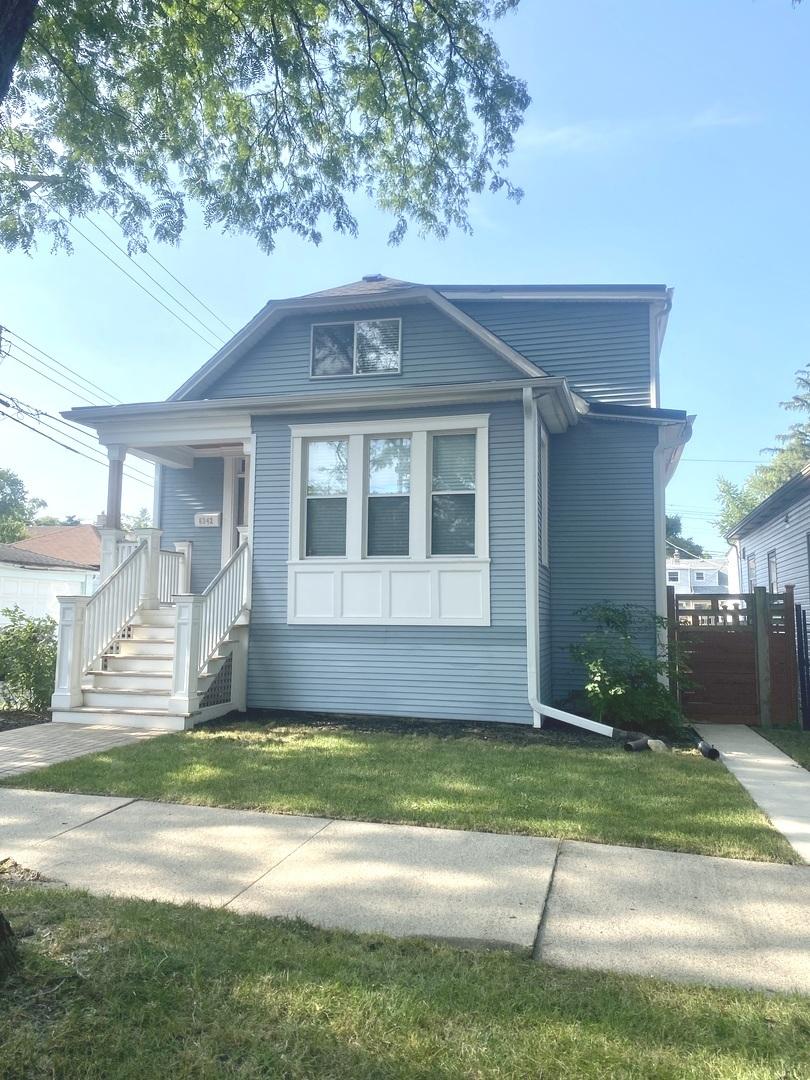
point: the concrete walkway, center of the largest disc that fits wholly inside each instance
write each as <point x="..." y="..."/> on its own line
<point x="779" y="787"/>
<point x="685" y="917"/>
<point x="25" y="749"/>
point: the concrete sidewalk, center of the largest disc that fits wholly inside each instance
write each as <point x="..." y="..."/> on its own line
<point x="686" y="917"/>
<point x="777" y="784"/>
<point x="25" y="749"/>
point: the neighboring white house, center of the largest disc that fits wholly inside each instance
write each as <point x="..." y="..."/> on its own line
<point x="33" y="581"/>
<point x="695" y="576"/>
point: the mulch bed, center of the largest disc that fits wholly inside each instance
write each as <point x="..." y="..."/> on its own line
<point x="11" y="720"/>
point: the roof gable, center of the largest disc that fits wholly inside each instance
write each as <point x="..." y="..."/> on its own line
<point x="77" y="544"/>
<point x="366" y="298"/>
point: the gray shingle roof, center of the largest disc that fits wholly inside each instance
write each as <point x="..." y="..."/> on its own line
<point x="10" y="553"/>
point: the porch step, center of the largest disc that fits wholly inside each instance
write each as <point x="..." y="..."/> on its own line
<point x="129" y="698"/>
<point x="134" y="647"/>
<point x="158" y="719"/>
<point x="162" y="616"/>
<point x="132" y="679"/>
<point x="148" y="663"/>
<point x="150" y="632"/>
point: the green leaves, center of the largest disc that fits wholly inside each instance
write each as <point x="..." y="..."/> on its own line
<point x="27" y="660"/>
<point x="17" y="509"/>
<point x="268" y="113"/>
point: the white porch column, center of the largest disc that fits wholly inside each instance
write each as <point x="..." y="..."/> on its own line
<point x="115" y="478"/>
<point x="67" y="693"/>
<point x="184" y="548"/>
<point x="150" y="582"/>
<point x="110" y="539"/>
<point x="185" y="696"/>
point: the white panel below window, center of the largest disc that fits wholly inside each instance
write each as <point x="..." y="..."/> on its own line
<point x="315" y="596"/>
<point x="381" y="592"/>
<point x="460" y="595"/>
<point x="361" y="595"/>
<point x="410" y="594"/>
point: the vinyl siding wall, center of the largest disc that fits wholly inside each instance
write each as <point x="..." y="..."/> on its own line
<point x="470" y="673"/>
<point x="184" y="493"/>
<point x="601" y="530"/>
<point x="603" y="349"/>
<point x="790" y="543"/>
<point x="435" y="350"/>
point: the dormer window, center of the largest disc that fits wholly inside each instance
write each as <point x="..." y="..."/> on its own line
<point x="367" y="347"/>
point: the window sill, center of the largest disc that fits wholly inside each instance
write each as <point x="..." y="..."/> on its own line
<point x="439" y="591"/>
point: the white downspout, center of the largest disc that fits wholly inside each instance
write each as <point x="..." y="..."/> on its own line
<point x="532" y="560"/>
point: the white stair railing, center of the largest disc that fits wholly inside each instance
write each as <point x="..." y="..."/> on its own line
<point x="170" y="575"/>
<point x="223" y="602"/>
<point x="202" y="624"/>
<point x="113" y="605"/>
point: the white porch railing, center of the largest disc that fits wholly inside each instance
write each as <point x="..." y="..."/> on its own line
<point x="203" y="623"/>
<point x="171" y="575"/>
<point x="113" y="605"/>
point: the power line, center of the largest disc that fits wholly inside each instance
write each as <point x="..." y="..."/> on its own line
<point x="64" y="446"/>
<point x="70" y="389"/>
<point x="174" y="277"/>
<point x="36" y="414"/>
<point x="49" y="378"/>
<point x="143" y="288"/>
<point x="59" y="363"/>
<point x="154" y="280"/>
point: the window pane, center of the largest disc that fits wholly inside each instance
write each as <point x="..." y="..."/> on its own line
<point x="388" y="525"/>
<point x="453" y="525"/>
<point x="326" y="527"/>
<point x="454" y="462"/>
<point x="378" y="345"/>
<point x="333" y="349"/>
<point x="389" y="466"/>
<point x="327" y="467"/>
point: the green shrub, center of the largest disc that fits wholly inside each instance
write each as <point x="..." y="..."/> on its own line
<point x="27" y="661"/>
<point x="624" y="654"/>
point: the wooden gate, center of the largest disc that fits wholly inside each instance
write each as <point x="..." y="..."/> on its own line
<point x="740" y="653"/>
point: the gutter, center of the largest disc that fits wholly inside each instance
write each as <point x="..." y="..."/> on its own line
<point x="532" y="560"/>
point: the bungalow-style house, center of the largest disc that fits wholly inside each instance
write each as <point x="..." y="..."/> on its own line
<point x="384" y="498"/>
<point x="772" y="543"/>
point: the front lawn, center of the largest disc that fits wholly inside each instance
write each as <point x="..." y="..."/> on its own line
<point x="491" y="780"/>
<point x="794" y="743"/>
<point x="124" y="989"/>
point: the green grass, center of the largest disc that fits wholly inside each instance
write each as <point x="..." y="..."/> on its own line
<point x="123" y="990"/>
<point x="794" y="743"/>
<point x="498" y="782"/>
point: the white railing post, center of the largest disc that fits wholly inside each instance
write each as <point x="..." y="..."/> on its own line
<point x="150" y="583"/>
<point x="185" y="675"/>
<point x="67" y="691"/>
<point x="244" y="538"/>
<point x="184" y="548"/>
<point x="110" y="539"/>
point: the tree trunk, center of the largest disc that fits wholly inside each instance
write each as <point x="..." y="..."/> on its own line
<point x="16" y="17"/>
<point x="8" y="947"/>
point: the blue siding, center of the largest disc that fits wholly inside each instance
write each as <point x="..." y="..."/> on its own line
<point x="789" y="541"/>
<point x="466" y="673"/>
<point x="183" y="493"/>
<point x="603" y="349"/>
<point x="434" y="350"/>
<point x="601" y="530"/>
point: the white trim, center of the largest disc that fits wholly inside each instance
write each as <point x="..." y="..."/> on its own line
<point x="587" y="294"/>
<point x="354" y="373"/>
<point x="403" y="425"/>
<point x="156" y="494"/>
<point x="228" y="507"/>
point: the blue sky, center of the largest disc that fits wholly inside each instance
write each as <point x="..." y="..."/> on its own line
<point x="666" y="142"/>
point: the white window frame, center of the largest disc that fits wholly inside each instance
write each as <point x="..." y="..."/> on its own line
<point x="354" y="373"/>
<point x="433" y="574"/>
<point x="673" y="580"/>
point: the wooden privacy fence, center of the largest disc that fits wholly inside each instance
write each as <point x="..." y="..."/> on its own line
<point x="740" y="656"/>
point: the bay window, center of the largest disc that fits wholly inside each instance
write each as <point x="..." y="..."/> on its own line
<point x="389" y="521"/>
